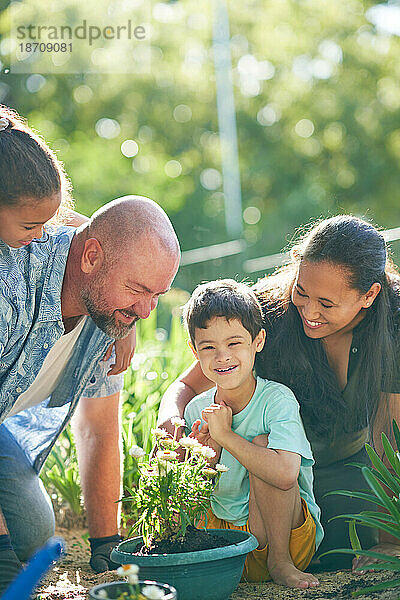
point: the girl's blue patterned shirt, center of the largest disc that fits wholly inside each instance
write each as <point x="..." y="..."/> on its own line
<point x="30" y="323"/>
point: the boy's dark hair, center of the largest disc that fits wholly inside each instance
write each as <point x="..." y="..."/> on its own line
<point x="223" y="298"/>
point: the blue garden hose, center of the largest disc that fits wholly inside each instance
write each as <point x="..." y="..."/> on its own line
<point x="23" y="586"/>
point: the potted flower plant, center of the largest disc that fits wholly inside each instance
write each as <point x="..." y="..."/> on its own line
<point x="132" y="588"/>
<point x="171" y="497"/>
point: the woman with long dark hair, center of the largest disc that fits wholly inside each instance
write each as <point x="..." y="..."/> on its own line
<point x="332" y="317"/>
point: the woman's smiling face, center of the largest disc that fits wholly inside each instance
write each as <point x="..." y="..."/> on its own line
<point x="325" y="301"/>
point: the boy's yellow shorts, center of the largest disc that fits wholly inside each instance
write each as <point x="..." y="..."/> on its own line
<point x="301" y="545"/>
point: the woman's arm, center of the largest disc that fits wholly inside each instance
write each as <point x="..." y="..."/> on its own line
<point x="191" y="383"/>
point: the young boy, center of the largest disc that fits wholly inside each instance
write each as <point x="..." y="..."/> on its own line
<point x="254" y="426"/>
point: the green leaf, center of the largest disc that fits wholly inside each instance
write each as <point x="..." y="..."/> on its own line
<point x="391" y="454"/>
<point x="354" y="539"/>
<point x="387" y="557"/>
<point x="396" y="432"/>
<point x="386" y="517"/>
<point x="384" y="566"/>
<point x="370" y="522"/>
<point x="361" y="495"/>
<point x="382" y="469"/>
<point x="385" y="585"/>
<point x="380" y="492"/>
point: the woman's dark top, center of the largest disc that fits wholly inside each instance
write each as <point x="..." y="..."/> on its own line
<point x="344" y="438"/>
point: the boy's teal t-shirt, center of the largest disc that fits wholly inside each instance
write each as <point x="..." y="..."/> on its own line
<point x="274" y="410"/>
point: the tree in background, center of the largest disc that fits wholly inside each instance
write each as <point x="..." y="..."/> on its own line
<point x="318" y="104"/>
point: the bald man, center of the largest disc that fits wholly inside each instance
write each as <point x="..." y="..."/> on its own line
<point x="61" y="304"/>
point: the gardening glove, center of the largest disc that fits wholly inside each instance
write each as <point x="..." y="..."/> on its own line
<point x="10" y="565"/>
<point x="100" y="553"/>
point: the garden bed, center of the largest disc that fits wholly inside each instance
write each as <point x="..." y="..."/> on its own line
<point x="72" y="577"/>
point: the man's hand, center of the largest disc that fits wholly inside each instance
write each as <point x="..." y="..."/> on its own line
<point x="219" y="420"/>
<point x="100" y="548"/>
<point x="363" y="561"/>
<point x="203" y="436"/>
<point x="124" y="351"/>
<point x="10" y="566"/>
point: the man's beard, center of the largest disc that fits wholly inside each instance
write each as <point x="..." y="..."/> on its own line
<point x="108" y="322"/>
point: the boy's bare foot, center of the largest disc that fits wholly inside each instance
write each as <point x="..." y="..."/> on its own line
<point x="285" y="573"/>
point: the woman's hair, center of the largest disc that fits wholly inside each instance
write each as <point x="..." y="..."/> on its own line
<point x="223" y="298"/>
<point x="300" y="362"/>
<point x="28" y="168"/>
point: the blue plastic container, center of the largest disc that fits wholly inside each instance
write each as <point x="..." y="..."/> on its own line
<point x="37" y="567"/>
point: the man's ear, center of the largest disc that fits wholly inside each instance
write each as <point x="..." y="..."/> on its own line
<point x="260" y="340"/>
<point x="92" y="256"/>
<point x="193" y="349"/>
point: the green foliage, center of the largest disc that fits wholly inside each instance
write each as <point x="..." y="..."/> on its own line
<point x="388" y="521"/>
<point x="317" y="98"/>
<point x="354" y="539"/>
<point x="173" y="494"/>
<point x="60" y="473"/>
<point x="158" y="361"/>
<point x="160" y="357"/>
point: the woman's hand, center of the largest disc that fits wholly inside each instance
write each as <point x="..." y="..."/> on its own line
<point x="363" y="561"/>
<point x="124" y="351"/>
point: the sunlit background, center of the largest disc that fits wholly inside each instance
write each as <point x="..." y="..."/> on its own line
<point x="317" y="100"/>
<point x="304" y="96"/>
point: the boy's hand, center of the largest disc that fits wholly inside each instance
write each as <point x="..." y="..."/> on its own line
<point x="124" y="351"/>
<point x="203" y="436"/>
<point x="219" y="420"/>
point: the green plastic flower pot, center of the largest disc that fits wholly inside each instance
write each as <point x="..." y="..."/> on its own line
<point x="116" y="588"/>
<point x="203" y="575"/>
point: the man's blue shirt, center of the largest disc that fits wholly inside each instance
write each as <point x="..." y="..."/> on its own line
<point x="30" y="323"/>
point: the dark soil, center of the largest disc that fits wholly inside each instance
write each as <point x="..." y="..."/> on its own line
<point x="194" y="540"/>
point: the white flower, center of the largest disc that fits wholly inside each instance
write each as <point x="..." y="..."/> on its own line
<point x="167" y="455"/>
<point x="151" y="471"/>
<point x="178" y="422"/>
<point x="128" y="570"/>
<point x="188" y="442"/>
<point x="153" y="592"/>
<point x="208" y="472"/>
<point x="137" y="452"/>
<point x="208" y="452"/>
<point x="167" y="442"/>
<point x="102" y="594"/>
<point x="221" y="468"/>
<point x="159" y="432"/>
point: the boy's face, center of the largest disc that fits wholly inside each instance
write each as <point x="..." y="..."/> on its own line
<point x="226" y="352"/>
